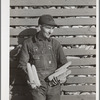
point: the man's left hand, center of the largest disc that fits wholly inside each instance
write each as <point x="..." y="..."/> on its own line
<point x="55" y="81"/>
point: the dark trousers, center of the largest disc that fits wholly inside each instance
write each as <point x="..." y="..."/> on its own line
<point x="48" y="93"/>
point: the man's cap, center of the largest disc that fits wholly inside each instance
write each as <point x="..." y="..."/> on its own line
<point x="46" y="20"/>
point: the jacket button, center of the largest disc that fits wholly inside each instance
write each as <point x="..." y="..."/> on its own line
<point x="49" y="62"/>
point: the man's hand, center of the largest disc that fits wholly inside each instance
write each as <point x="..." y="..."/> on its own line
<point x="33" y="85"/>
<point x="54" y="81"/>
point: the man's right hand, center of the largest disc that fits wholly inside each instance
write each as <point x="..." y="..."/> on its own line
<point x="33" y="85"/>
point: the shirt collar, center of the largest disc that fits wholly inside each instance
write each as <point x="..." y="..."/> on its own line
<point x="41" y="38"/>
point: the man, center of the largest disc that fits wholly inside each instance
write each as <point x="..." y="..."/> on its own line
<point x="47" y="55"/>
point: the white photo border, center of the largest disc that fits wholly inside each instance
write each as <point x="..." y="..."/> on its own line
<point x="5" y="23"/>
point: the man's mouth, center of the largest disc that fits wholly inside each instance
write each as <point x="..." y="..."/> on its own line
<point x="49" y="33"/>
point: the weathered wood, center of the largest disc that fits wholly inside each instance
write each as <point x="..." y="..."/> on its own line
<point x="83" y="61"/>
<point x="51" y="2"/>
<point x="59" y="12"/>
<point x="81" y="80"/>
<point x="64" y="41"/>
<point x="83" y="71"/>
<point x="85" y="88"/>
<point x="77" y="40"/>
<point x="78" y="97"/>
<point x="60" y="31"/>
<point x="59" y="21"/>
<point x="78" y="52"/>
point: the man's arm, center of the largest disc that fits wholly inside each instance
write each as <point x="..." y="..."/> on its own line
<point x="24" y="57"/>
<point x="61" y="58"/>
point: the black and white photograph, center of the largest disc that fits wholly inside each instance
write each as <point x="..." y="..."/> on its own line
<point x="49" y="50"/>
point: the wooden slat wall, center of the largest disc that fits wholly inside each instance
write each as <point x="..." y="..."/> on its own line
<point x="52" y="3"/>
<point x="76" y="32"/>
<point x="60" y="22"/>
<point x="59" y="12"/>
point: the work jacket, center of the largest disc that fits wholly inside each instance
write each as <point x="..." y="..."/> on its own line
<point x="46" y="54"/>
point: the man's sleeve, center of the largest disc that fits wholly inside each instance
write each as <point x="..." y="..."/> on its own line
<point x="61" y="58"/>
<point x="24" y="57"/>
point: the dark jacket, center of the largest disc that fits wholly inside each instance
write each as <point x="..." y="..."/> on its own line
<point x="46" y="55"/>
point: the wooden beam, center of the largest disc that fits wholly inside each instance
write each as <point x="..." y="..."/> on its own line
<point x="59" y="21"/>
<point x="85" y="88"/>
<point x="78" y="97"/>
<point x="59" y="12"/>
<point x="52" y="3"/>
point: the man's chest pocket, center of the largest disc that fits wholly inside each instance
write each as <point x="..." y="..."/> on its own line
<point x="36" y="58"/>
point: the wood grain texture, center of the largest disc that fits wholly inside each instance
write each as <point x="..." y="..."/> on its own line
<point x="83" y="61"/>
<point x="84" y="88"/>
<point x="78" y="97"/>
<point x="59" y="21"/>
<point x="51" y="2"/>
<point x="59" y="12"/>
<point x="79" y="52"/>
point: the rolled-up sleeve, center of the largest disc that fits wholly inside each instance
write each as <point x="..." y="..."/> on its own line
<point x="24" y="57"/>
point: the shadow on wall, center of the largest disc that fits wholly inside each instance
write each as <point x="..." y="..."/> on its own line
<point x="18" y="84"/>
<point x="26" y="34"/>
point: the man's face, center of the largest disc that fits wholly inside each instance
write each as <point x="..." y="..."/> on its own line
<point x="47" y="30"/>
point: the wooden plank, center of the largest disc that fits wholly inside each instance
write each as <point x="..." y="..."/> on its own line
<point x="51" y="2"/>
<point x="59" y="12"/>
<point x="80" y="80"/>
<point x="83" y="71"/>
<point x="78" y="97"/>
<point x="74" y="52"/>
<point x="59" y="21"/>
<point x="59" y="31"/>
<point x="63" y="41"/>
<point x="85" y="88"/>
<point x="83" y="61"/>
<point x="77" y="40"/>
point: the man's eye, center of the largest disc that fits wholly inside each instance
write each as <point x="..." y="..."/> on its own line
<point x="50" y="27"/>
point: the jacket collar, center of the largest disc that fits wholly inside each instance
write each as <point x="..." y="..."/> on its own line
<point x="39" y="37"/>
